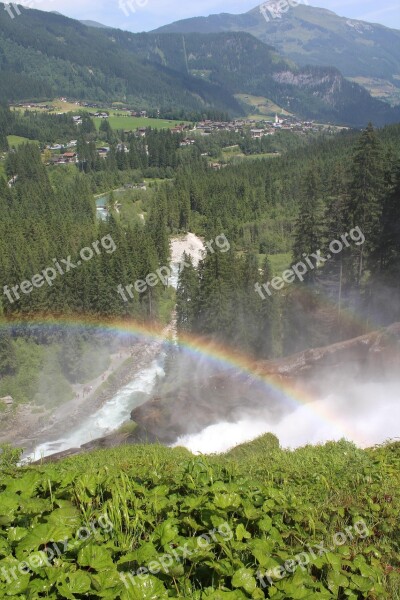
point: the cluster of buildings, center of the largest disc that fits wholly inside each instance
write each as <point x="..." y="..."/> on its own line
<point x="181" y="128"/>
<point x="257" y="128"/>
<point x="187" y="142"/>
<point x="135" y="186"/>
<point x="71" y="144"/>
<point x="100" y="115"/>
<point x="67" y="158"/>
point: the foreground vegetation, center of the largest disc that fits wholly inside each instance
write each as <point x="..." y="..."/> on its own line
<point x="148" y="505"/>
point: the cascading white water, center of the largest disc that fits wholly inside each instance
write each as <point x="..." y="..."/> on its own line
<point x="117" y="411"/>
<point x="365" y="414"/>
<point x="109" y="417"/>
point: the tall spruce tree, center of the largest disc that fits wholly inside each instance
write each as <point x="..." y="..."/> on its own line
<point x="365" y="198"/>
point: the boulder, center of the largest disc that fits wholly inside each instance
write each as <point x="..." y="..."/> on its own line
<point x="7" y="400"/>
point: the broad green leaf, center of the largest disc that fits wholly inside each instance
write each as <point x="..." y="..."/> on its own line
<point x="336" y="580"/>
<point x="74" y="583"/>
<point x="95" y="557"/>
<point x="143" y="587"/>
<point x="244" y="578"/>
<point x="227" y="501"/>
<point x="241" y="533"/>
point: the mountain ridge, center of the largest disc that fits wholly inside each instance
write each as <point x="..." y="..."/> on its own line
<point x="313" y="36"/>
<point x="44" y="55"/>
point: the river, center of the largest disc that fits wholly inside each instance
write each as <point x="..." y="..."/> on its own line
<point x="116" y="411"/>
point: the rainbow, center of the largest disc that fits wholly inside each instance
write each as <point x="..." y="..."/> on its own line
<point x="218" y="355"/>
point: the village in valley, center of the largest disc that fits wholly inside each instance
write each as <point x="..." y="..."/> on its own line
<point x="65" y="152"/>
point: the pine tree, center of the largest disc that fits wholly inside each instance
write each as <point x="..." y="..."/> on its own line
<point x="8" y="359"/>
<point x="308" y="228"/>
<point x="268" y="342"/>
<point x="365" y="202"/>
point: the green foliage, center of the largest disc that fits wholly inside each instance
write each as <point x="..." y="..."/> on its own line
<point x="95" y="65"/>
<point x="8" y="363"/>
<point x="299" y="202"/>
<point x="256" y="508"/>
<point x="9" y="457"/>
<point x="20" y="127"/>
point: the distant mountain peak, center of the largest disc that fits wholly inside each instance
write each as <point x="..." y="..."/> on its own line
<point x="365" y="52"/>
<point x="95" y="24"/>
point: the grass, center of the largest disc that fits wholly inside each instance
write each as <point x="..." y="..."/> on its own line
<point x="279" y="262"/>
<point x="266" y="108"/>
<point x="117" y="119"/>
<point x="132" y="123"/>
<point x="16" y="140"/>
<point x="265" y="505"/>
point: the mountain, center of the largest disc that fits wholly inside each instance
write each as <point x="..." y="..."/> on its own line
<point x="95" y="24"/>
<point x="43" y="55"/>
<point x="242" y="64"/>
<point x="316" y="36"/>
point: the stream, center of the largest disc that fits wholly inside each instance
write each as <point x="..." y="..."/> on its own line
<point x="116" y="411"/>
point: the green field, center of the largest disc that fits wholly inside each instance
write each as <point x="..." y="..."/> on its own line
<point x="279" y="262"/>
<point x="16" y="140"/>
<point x="266" y="108"/>
<point x="118" y="119"/>
<point x="132" y="123"/>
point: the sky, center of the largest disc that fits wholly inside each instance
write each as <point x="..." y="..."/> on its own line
<point x="145" y="15"/>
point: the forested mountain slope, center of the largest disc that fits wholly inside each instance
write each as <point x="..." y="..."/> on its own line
<point x="43" y="55"/>
<point x="312" y="36"/>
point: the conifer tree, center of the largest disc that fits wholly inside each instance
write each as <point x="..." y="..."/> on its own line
<point x="365" y="202"/>
<point x="308" y="228"/>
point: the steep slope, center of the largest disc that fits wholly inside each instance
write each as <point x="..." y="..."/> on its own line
<point x="241" y="63"/>
<point x="43" y="55"/>
<point x="95" y="24"/>
<point x="314" y="36"/>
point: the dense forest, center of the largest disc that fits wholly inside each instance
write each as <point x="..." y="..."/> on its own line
<point x="296" y="204"/>
<point x="273" y="211"/>
<point x="51" y="236"/>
